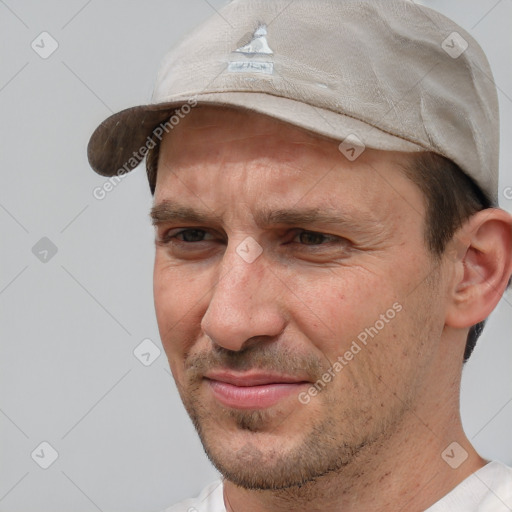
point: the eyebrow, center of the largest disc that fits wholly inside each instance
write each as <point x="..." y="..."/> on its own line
<point x="167" y="212"/>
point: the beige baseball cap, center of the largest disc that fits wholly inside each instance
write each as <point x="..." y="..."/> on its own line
<point x="384" y="74"/>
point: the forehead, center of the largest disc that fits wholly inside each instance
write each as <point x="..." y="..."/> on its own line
<point x="216" y="150"/>
<point x="205" y="127"/>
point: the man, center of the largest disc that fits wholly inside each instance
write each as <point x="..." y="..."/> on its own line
<point x="328" y="247"/>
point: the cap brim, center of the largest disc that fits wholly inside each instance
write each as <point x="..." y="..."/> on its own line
<point x="117" y="144"/>
<point x="111" y="146"/>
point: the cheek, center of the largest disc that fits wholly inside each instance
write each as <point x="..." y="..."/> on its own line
<point x="360" y="325"/>
<point x="333" y="310"/>
<point x="179" y="299"/>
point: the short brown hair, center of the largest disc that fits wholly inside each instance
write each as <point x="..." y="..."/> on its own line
<point x="151" y="166"/>
<point x="451" y="198"/>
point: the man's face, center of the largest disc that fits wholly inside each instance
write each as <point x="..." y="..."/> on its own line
<point x="281" y="264"/>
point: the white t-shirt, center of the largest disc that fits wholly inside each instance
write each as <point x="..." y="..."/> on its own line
<point x="487" y="490"/>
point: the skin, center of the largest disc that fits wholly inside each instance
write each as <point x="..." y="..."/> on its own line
<point x="373" y="437"/>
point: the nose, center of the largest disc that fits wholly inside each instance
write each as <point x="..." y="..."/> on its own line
<point x="244" y="303"/>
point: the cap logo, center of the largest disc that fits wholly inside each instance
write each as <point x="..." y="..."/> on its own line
<point x="258" y="44"/>
<point x="249" y="62"/>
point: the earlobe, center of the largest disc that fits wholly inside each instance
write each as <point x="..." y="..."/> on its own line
<point x="483" y="265"/>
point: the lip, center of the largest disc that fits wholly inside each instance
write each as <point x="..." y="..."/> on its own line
<point x="252" y="390"/>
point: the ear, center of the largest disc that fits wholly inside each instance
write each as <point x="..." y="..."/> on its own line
<point x="482" y="267"/>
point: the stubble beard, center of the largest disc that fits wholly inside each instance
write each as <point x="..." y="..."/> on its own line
<point x="338" y="434"/>
<point x="327" y="447"/>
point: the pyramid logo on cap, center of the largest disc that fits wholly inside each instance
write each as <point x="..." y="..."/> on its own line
<point x="253" y="57"/>
<point x="258" y="44"/>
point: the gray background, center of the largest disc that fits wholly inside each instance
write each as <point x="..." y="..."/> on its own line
<point x="69" y="324"/>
